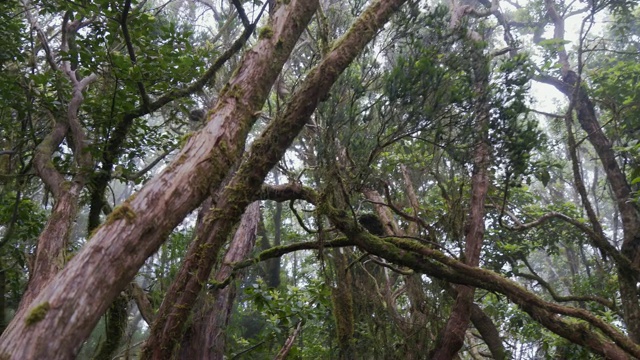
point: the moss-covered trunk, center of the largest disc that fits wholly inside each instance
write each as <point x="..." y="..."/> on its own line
<point x="138" y="227"/>
<point x="205" y="338"/>
<point x="265" y="153"/>
<point x="116" y="325"/>
<point x="342" y="299"/>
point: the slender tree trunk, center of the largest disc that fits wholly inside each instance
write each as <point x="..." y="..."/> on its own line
<point x="273" y="265"/>
<point x="342" y="300"/>
<point x="628" y="267"/>
<point x="288" y="344"/>
<point x="489" y="332"/>
<point x="627" y="277"/>
<point x="116" y="325"/>
<point x="71" y="304"/>
<point x="454" y="332"/>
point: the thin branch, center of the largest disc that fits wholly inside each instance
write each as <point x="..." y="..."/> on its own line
<point x="242" y="14"/>
<point x="556" y="116"/>
<point x="288" y="344"/>
<point x="391" y="267"/>
<point x="49" y="55"/>
<point x="597" y="239"/>
<point x="607" y="303"/>
<point x="276" y="252"/>
<point x="300" y="220"/>
<point x="150" y="166"/>
<point x="132" y="54"/>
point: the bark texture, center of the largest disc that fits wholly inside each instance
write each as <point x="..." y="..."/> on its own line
<point x="206" y="336"/>
<point x="590" y="331"/>
<point x="454" y="332"/>
<point x="74" y="300"/>
<point x="246" y="183"/>
<point x="628" y="264"/>
<point x="53" y="240"/>
<point x="342" y="301"/>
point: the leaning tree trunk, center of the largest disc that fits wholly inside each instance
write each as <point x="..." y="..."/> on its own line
<point x="75" y="299"/>
<point x="628" y="275"/>
<point x="265" y="153"/>
<point x="54" y="238"/>
<point x="205" y="338"/>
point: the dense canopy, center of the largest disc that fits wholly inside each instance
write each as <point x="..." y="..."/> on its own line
<point x="305" y="179"/>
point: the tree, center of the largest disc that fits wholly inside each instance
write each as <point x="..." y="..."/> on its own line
<point x="417" y="174"/>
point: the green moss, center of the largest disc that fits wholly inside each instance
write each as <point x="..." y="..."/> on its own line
<point x="94" y="231"/>
<point x="184" y="138"/>
<point x="65" y="186"/>
<point x="37" y="313"/>
<point x="266" y="33"/>
<point x="236" y="92"/>
<point x="123" y="211"/>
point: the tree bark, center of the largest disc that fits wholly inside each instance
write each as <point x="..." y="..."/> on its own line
<point x="284" y="352"/>
<point x="206" y="336"/>
<point x="628" y="274"/>
<point x="72" y="303"/>
<point x="454" y="332"/>
<point x="488" y="331"/>
<point x="342" y="301"/>
<point x="265" y="153"/>
<point x="53" y="240"/>
<point x="576" y="325"/>
<point x="627" y="277"/>
<point x="116" y="325"/>
<point x="590" y="331"/>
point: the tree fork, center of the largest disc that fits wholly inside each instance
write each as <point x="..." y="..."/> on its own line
<point x="82" y="291"/>
<point x="265" y="153"/>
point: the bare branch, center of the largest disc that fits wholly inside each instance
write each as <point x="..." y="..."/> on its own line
<point x="242" y="14"/>
<point x="132" y="54"/>
<point x="50" y="56"/>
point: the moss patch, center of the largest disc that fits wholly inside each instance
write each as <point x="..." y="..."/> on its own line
<point x="37" y="313"/>
<point x="123" y="211"/>
<point x="266" y="33"/>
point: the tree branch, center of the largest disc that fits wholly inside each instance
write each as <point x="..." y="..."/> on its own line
<point x="434" y="263"/>
<point x="132" y="54"/>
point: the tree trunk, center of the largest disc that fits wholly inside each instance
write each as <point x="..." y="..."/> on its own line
<point x="627" y="277"/>
<point x="272" y="266"/>
<point x="206" y="337"/>
<point x="116" y="325"/>
<point x="454" y="332"/>
<point x="628" y="266"/>
<point x="265" y="153"/>
<point x="342" y="300"/>
<point x="73" y="302"/>
<point x="284" y="352"/>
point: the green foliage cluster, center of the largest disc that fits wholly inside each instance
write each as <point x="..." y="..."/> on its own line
<point x="267" y="316"/>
